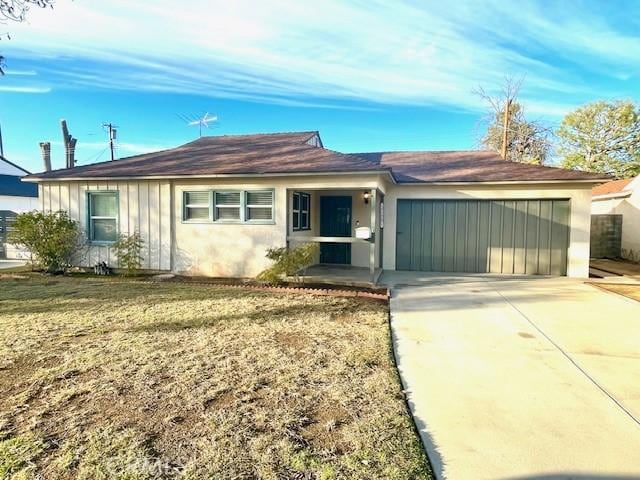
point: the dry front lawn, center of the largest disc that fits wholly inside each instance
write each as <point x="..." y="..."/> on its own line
<point x="107" y="378"/>
<point x="628" y="290"/>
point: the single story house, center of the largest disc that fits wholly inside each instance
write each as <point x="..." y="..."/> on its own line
<point x="621" y="197"/>
<point x="15" y="197"/>
<point x="215" y="205"/>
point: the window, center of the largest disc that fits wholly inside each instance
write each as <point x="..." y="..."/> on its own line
<point x="196" y="206"/>
<point x="227" y="206"/>
<point x="233" y="206"/>
<point x="301" y="208"/>
<point x="103" y="216"/>
<point x="259" y="206"/>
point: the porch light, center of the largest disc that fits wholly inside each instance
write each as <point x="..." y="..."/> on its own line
<point x="367" y="195"/>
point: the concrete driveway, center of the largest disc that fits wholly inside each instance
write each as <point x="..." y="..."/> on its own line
<point x="524" y="378"/>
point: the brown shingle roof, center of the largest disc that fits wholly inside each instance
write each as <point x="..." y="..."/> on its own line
<point x="228" y="154"/>
<point x="468" y="166"/>
<point x="611" y="187"/>
<point x="285" y="153"/>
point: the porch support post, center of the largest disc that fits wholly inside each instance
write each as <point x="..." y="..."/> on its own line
<point x="374" y="239"/>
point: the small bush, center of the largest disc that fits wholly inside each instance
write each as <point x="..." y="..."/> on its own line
<point x="288" y="262"/>
<point x="52" y="238"/>
<point x="128" y="249"/>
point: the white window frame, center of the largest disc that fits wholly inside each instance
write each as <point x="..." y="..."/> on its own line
<point x="186" y="206"/>
<point x="240" y="218"/>
<point x="246" y="206"/>
<point x="91" y="217"/>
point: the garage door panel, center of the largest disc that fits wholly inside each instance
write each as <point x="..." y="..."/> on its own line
<point x="508" y="234"/>
<point x="471" y="264"/>
<point x="416" y="233"/>
<point x="519" y="240"/>
<point x="484" y="232"/>
<point x="449" y="236"/>
<point x="532" y="240"/>
<point x="438" y="237"/>
<point x="496" y="236"/>
<point x="427" y="237"/>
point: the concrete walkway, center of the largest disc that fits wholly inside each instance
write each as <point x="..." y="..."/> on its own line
<point x="520" y="378"/>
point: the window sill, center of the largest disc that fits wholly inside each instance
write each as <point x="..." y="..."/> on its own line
<point x="229" y="222"/>
<point x="101" y="243"/>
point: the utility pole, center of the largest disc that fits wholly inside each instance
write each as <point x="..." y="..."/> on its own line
<point x="507" y="107"/>
<point x="1" y="145"/>
<point x="112" y="137"/>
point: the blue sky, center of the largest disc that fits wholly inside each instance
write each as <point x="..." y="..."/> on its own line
<point x="370" y="75"/>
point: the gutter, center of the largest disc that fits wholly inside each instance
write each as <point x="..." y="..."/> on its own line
<point x="506" y="182"/>
<point x="609" y="196"/>
<point x="36" y="179"/>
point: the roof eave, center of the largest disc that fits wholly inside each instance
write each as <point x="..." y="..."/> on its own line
<point x="36" y="179"/>
<point x="503" y="182"/>
<point x="610" y="196"/>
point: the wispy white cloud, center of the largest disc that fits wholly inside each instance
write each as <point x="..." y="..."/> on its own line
<point x="25" y="73"/>
<point x="299" y="53"/>
<point x="23" y="89"/>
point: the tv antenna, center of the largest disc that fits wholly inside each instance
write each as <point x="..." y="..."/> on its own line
<point x="112" y="137"/>
<point x="203" y="121"/>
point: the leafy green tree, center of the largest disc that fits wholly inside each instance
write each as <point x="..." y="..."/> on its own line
<point x="52" y="238"/>
<point x="128" y="249"/>
<point x="602" y="137"/>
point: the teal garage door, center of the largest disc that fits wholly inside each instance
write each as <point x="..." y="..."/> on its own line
<point x="483" y="236"/>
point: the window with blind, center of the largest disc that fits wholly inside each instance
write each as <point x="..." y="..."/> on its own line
<point x="103" y="216"/>
<point x="232" y="206"/>
<point x="301" y="211"/>
<point x="227" y="206"/>
<point x="259" y="206"/>
<point x="197" y="206"/>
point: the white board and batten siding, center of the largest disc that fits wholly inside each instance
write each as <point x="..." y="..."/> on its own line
<point x="144" y="207"/>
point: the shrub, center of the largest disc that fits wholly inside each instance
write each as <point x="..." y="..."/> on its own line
<point x="128" y="249"/>
<point x="288" y="262"/>
<point x="52" y="238"/>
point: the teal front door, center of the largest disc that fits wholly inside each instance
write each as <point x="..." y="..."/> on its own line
<point x="335" y="221"/>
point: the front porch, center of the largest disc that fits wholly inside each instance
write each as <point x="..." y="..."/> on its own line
<point x="341" y="275"/>
<point x="347" y="226"/>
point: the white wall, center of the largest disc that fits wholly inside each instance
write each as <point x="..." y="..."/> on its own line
<point x="629" y="208"/>
<point x="144" y="206"/>
<point x="19" y="204"/>
<point x="580" y="220"/>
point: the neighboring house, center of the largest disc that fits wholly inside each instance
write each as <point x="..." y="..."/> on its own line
<point x="15" y="197"/>
<point x="621" y="197"/>
<point x="215" y="205"/>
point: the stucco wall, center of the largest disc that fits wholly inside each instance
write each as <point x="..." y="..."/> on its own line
<point x="629" y="208"/>
<point x="580" y="204"/>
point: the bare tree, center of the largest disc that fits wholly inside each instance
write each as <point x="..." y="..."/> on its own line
<point x="508" y="131"/>
<point x="16" y="11"/>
